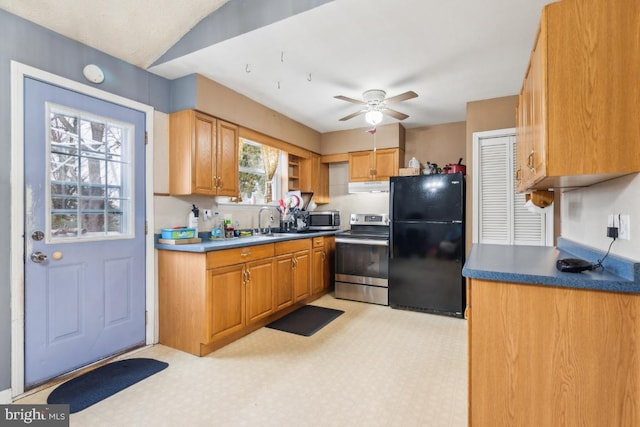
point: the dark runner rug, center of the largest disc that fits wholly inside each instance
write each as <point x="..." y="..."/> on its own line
<point x="306" y="320"/>
<point x="94" y="386"/>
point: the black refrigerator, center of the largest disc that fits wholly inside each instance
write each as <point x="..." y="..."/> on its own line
<point x="427" y="243"/>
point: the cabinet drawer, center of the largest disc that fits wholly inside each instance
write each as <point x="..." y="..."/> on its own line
<point x="292" y="246"/>
<point x="318" y="242"/>
<point x="226" y="257"/>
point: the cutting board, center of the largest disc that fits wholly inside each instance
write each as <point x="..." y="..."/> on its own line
<point x="179" y="241"/>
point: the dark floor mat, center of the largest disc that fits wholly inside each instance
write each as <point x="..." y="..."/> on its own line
<point x="94" y="386"/>
<point x="306" y="320"/>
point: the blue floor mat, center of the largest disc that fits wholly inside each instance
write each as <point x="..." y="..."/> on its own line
<point x="85" y="390"/>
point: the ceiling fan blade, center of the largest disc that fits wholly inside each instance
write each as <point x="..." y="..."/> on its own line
<point x="402" y="97"/>
<point x="346" y="98"/>
<point x="395" y="114"/>
<point x="352" y="115"/>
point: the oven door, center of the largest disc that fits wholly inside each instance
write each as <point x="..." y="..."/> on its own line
<point x="362" y="261"/>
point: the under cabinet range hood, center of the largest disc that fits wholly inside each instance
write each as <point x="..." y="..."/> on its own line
<point x="369" y="187"/>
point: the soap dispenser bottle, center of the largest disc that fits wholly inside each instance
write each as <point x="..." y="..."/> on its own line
<point x="193" y="218"/>
<point x="216" y="231"/>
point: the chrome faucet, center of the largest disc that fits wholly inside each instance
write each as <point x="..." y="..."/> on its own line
<point x="262" y="209"/>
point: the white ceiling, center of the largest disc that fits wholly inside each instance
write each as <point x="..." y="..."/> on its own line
<point x="448" y="52"/>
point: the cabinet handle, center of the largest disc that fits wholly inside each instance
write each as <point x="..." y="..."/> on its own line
<point x="219" y="182"/>
<point x="245" y="253"/>
<point x="518" y="174"/>
<point x="294" y="262"/>
<point x="530" y="161"/>
<point x="244" y="276"/>
<point x="248" y="275"/>
<point x="324" y="255"/>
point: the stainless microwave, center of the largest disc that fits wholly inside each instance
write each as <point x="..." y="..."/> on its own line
<point x="324" y="220"/>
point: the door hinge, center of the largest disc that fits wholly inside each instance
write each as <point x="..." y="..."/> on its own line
<point x="146" y="228"/>
<point x="146" y="317"/>
<point x="146" y="137"/>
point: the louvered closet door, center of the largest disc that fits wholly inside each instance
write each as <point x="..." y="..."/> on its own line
<point x="502" y="216"/>
<point x="494" y="192"/>
<point x="529" y="228"/>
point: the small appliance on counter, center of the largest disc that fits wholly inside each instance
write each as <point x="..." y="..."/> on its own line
<point x="324" y="220"/>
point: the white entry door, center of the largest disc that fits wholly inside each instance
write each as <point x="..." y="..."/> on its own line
<point x="84" y="230"/>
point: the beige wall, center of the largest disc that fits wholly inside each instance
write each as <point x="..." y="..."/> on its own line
<point x="224" y="103"/>
<point x="585" y="211"/>
<point x="488" y="114"/>
<point x="387" y="136"/>
<point x="441" y="144"/>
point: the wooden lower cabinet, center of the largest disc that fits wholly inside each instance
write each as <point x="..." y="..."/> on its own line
<point x="550" y="356"/>
<point x="322" y="263"/>
<point x="283" y="290"/>
<point x="225" y="305"/>
<point x="259" y="289"/>
<point x="294" y="271"/>
<point x="207" y="300"/>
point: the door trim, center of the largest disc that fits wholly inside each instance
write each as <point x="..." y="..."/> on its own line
<point x="18" y="72"/>
<point x="475" y="226"/>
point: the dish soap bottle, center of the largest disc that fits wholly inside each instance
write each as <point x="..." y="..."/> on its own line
<point x="193" y="218"/>
<point x="216" y="231"/>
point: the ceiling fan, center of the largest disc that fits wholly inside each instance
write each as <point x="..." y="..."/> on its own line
<point x="376" y="105"/>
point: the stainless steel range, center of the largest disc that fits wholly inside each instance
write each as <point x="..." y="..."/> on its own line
<point x="362" y="260"/>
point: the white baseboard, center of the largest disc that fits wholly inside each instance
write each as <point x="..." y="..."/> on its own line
<point x="5" y="396"/>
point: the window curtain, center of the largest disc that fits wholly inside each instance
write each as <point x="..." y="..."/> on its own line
<point x="270" y="157"/>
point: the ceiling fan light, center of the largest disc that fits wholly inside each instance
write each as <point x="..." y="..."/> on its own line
<point x="373" y="117"/>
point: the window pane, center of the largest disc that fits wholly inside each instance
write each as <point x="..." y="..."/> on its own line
<point x="89" y="168"/>
<point x="260" y="172"/>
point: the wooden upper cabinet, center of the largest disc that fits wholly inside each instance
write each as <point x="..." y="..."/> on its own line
<point x="227" y="158"/>
<point x="578" y="110"/>
<point x="376" y="165"/>
<point x="203" y="155"/>
<point x="314" y="177"/>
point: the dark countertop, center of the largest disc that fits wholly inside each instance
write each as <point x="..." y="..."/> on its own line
<point x="208" y="245"/>
<point x="537" y="265"/>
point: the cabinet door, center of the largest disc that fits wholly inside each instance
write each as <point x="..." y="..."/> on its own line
<point x="537" y="156"/>
<point x="227" y="159"/>
<point x="204" y="155"/>
<point x="360" y="166"/>
<point x="318" y="270"/>
<point x="283" y="284"/>
<point x="301" y="275"/>
<point x="259" y="289"/>
<point x="521" y="144"/>
<point x="323" y="183"/>
<point x="225" y="301"/>
<point x="386" y="163"/>
<point x="314" y="177"/>
<point x="329" y="264"/>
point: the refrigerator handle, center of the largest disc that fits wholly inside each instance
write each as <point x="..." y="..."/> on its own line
<point x="391" y="241"/>
<point x="391" y="191"/>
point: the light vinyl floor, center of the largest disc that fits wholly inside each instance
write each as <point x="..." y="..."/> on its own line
<point x="372" y="366"/>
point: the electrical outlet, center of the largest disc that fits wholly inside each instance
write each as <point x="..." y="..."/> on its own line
<point x="624" y="227"/>
<point x="207" y="214"/>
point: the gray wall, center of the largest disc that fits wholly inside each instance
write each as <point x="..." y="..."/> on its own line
<point x="33" y="45"/>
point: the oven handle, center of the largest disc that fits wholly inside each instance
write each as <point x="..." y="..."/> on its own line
<point x="370" y="242"/>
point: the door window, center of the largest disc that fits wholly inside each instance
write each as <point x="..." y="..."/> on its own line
<point x="89" y="178"/>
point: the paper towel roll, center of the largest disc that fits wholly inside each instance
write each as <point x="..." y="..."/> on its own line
<point x="535" y="209"/>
